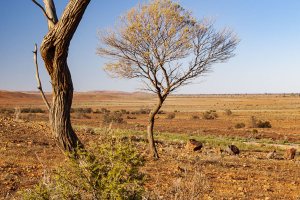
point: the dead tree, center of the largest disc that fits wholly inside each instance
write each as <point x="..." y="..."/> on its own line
<point x="162" y="44"/>
<point x="54" y="51"/>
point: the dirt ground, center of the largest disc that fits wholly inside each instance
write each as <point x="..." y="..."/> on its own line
<point x="28" y="152"/>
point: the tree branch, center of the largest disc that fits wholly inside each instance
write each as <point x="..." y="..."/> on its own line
<point x="38" y="77"/>
<point x="43" y="9"/>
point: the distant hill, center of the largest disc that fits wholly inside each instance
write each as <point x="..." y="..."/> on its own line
<point x="33" y="98"/>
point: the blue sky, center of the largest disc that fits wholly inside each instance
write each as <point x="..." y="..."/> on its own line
<point x="267" y="59"/>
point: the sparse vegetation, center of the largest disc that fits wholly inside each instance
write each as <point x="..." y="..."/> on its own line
<point x="170" y="116"/>
<point x="259" y="123"/>
<point x="7" y="110"/>
<point x="32" y="110"/>
<point x="210" y="115"/>
<point x="141" y="111"/>
<point x="115" y="117"/>
<point x="195" y="117"/>
<point x="228" y="112"/>
<point x="110" y="171"/>
<point x="81" y="110"/>
<point x="264" y="124"/>
<point x="239" y="125"/>
<point x="131" y="117"/>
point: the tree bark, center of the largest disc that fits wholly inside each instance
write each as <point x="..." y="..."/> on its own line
<point x="54" y="51"/>
<point x="152" y="146"/>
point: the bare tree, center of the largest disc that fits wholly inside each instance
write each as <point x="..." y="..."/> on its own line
<point x="54" y="51"/>
<point x="163" y="45"/>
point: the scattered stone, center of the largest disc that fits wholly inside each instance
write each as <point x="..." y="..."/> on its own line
<point x="271" y="155"/>
<point x="194" y="145"/>
<point x="232" y="150"/>
<point x="290" y="153"/>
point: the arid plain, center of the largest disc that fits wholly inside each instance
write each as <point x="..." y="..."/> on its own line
<point x="28" y="152"/>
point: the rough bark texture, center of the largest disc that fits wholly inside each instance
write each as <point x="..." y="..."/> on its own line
<point x="54" y="51"/>
<point x="150" y="129"/>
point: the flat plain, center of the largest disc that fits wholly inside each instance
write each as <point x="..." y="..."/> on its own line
<point x="27" y="150"/>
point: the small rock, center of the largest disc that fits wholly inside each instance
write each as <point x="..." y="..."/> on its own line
<point x="271" y="155"/>
<point x="232" y="150"/>
<point x="194" y="145"/>
<point x="290" y="153"/>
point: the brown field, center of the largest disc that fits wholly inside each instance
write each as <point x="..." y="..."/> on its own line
<point x="27" y="149"/>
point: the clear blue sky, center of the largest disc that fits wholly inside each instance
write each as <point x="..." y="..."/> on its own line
<point x="267" y="59"/>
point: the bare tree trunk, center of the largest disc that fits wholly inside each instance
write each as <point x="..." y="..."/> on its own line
<point x="54" y="51"/>
<point x="152" y="146"/>
<point x="61" y="105"/>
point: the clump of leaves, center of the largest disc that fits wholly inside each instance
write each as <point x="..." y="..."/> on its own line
<point x="209" y="115"/>
<point x="109" y="170"/>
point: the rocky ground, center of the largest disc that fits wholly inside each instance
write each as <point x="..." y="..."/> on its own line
<point x="27" y="154"/>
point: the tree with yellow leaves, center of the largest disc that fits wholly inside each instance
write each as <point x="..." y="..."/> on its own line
<point x="163" y="45"/>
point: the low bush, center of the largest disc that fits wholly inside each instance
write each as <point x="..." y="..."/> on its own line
<point x="82" y="116"/>
<point x="7" y="110"/>
<point x="170" y="116"/>
<point x="259" y="123"/>
<point x="131" y="117"/>
<point x="239" y="125"/>
<point x="228" y="112"/>
<point x="123" y="111"/>
<point x="32" y="110"/>
<point x="195" y="117"/>
<point x="109" y="170"/>
<point x="115" y="117"/>
<point x="81" y="110"/>
<point x="142" y="111"/>
<point x="264" y="124"/>
<point x="209" y="115"/>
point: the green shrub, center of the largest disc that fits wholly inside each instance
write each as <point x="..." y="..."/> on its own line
<point x="240" y="125"/>
<point x="171" y="116"/>
<point x="110" y="171"/>
<point x="209" y="115"/>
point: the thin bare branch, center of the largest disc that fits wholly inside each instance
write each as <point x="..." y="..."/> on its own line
<point x="38" y="78"/>
<point x="43" y="9"/>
